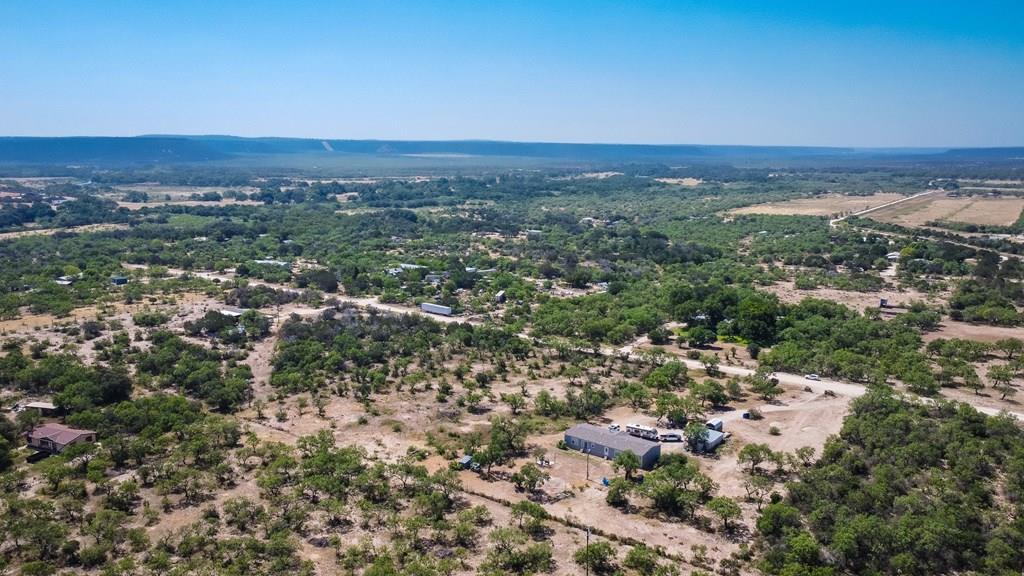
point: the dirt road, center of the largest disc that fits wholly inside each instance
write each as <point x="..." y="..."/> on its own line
<point x="839" y="387"/>
<point x="835" y="221"/>
<point x="842" y="388"/>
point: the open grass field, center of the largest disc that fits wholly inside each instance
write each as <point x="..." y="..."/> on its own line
<point x="827" y="205"/>
<point x="970" y="210"/>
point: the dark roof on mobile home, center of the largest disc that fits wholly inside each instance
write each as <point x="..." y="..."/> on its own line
<point x="617" y="440"/>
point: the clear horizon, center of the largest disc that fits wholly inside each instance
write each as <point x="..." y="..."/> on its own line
<point x="344" y="139"/>
<point x="850" y="75"/>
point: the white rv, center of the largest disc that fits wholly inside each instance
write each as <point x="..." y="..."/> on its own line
<point x="641" y="431"/>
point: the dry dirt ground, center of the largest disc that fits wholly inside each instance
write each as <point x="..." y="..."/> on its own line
<point x="403" y="418"/>
<point x="971" y="210"/>
<point x="401" y="421"/>
<point x="967" y="331"/>
<point x="42" y="181"/>
<point x="600" y="175"/>
<point x="67" y="230"/>
<point x="994" y="188"/>
<point x="155" y="203"/>
<point x="827" y="205"/>
<point x="987" y="397"/>
<point x="681" y="181"/>
<point x="160" y="191"/>
<point x="160" y="195"/>
<point x="1017" y="183"/>
<point x="860" y="301"/>
<point x="46" y="327"/>
<point x="803" y="419"/>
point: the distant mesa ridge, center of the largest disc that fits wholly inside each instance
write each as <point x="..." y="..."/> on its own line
<point x="176" y="149"/>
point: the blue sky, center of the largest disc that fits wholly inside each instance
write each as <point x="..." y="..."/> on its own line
<point x="839" y="73"/>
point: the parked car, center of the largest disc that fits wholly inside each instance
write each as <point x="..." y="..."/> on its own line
<point x="614" y="427"/>
<point x="812" y="377"/>
<point x="671" y="437"/>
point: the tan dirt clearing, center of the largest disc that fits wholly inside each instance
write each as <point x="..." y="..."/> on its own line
<point x="827" y="205"/>
<point x="967" y="331"/>
<point x="156" y="203"/>
<point x="970" y="210"/>
<point x="860" y="301"/>
<point x="681" y="181"/>
<point x="68" y="230"/>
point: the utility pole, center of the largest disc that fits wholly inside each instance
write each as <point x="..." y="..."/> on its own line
<point x="588" y="549"/>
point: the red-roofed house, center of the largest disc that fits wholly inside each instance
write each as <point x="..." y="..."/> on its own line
<point x="55" y="437"/>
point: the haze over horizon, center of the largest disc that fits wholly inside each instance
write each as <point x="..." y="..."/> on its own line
<point x="845" y="74"/>
<point x="509" y="141"/>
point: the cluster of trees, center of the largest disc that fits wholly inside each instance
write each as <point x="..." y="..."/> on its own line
<point x="89" y="210"/>
<point x="828" y="338"/>
<point x="38" y="209"/>
<point x="676" y="488"/>
<point x="336" y="346"/>
<point x="82" y="518"/>
<point x="191" y="368"/>
<point x="9" y="440"/>
<point x="955" y="360"/>
<point x="369" y="353"/>
<point x="16" y="215"/>
<point x="150" y="318"/>
<point x="74" y="386"/>
<point x="711" y="310"/>
<point x="250" y="325"/>
<point x="906" y="488"/>
<point x="319" y="278"/>
<point x="987" y="303"/>
<point x="597" y="318"/>
<point x="259" y="296"/>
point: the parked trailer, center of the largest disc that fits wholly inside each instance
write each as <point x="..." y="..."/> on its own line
<point x="431" y="308"/>
<point x="641" y="431"/>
